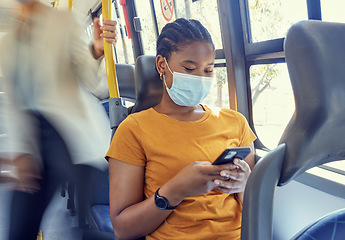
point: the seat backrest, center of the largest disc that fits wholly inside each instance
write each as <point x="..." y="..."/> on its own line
<point x="125" y="74"/>
<point x="314" y="52"/>
<point x="149" y="87"/>
<point x="331" y="226"/>
<point x="126" y="80"/>
<point x="148" y="93"/>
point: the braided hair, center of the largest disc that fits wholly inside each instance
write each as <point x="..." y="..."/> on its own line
<point x="180" y="33"/>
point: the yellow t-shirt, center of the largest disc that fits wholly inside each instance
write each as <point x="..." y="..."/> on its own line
<point x="165" y="146"/>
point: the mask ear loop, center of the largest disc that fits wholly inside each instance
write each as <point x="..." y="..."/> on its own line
<point x="162" y="76"/>
<point x="168" y="66"/>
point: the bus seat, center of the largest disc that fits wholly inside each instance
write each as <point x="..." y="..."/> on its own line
<point x="314" y="53"/>
<point x="331" y="226"/>
<point x="125" y="77"/>
<point x="99" y="217"/>
<point x="149" y="87"/>
<point x="126" y="82"/>
<point x="149" y="90"/>
<point x="99" y="201"/>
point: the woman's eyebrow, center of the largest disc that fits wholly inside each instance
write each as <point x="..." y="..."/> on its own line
<point x="195" y="63"/>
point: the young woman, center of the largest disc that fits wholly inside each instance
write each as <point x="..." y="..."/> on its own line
<point x="162" y="183"/>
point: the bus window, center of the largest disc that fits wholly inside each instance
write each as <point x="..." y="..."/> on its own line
<point x="272" y="100"/>
<point x="205" y="11"/>
<point x="123" y="46"/>
<point x="271" y="19"/>
<point x="149" y="37"/>
<point x="219" y="94"/>
<point x="333" y="10"/>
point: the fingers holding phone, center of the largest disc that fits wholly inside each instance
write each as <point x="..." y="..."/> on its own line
<point x="236" y="171"/>
<point x="238" y="175"/>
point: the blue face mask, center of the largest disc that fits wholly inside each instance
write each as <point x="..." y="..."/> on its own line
<point x="188" y="90"/>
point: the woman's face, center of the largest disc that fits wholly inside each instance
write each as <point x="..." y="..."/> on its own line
<point x="196" y="58"/>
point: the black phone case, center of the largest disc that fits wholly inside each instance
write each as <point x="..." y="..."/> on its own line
<point x="230" y="153"/>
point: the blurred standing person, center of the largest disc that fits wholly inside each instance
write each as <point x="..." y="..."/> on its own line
<point x="56" y="128"/>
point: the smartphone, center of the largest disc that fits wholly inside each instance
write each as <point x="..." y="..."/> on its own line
<point x="230" y="153"/>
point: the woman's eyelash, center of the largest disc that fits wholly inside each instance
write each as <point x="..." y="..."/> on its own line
<point x="192" y="69"/>
<point x="189" y="69"/>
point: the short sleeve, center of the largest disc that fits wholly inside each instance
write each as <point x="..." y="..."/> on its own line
<point x="126" y="145"/>
<point x="247" y="136"/>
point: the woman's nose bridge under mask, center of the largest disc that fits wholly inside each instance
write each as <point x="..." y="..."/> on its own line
<point x="187" y="89"/>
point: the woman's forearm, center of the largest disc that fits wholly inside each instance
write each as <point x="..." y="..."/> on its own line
<point x="138" y="220"/>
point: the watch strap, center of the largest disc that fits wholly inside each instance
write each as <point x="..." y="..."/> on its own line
<point x="161" y="198"/>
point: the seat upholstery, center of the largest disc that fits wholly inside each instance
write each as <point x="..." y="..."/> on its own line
<point x="148" y="85"/>
<point x="126" y="80"/>
<point x="314" y="53"/>
<point x="331" y="226"/>
<point x="101" y="216"/>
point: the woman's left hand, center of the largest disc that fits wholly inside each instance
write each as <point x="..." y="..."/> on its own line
<point x="238" y="174"/>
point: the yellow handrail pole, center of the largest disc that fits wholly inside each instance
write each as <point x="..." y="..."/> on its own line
<point x="56" y="3"/>
<point x="40" y="235"/>
<point x="70" y="5"/>
<point x="108" y="54"/>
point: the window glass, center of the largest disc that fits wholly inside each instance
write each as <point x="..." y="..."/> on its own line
<point x="270" y="19"/>
<point x="272" y="99"/>
<point x="205" y="11"/>
<point x="333" y="10"/>
<point x="123" y="47"/>
<point x="2" y="99"/>
<point x="148" y="35"/>
<point x="219" y="93"/>
<point x="337" y="165"/>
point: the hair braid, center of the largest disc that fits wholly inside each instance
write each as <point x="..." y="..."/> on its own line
<point x="179" y="33"/>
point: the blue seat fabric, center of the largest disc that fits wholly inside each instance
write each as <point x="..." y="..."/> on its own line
<point x="330" y="227"/>
<point x="101" y="216"/>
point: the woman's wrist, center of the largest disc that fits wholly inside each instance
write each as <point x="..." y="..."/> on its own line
<point x="168" y="191"/>
<point x="96" y="53"/>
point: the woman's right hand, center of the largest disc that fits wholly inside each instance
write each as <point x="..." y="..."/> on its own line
<point x="195" y="179"/>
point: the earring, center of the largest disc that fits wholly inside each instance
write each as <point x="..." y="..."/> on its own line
<point x="161" y="76"/>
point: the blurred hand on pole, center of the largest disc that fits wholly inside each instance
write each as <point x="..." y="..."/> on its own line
<point x="110" y="35"/>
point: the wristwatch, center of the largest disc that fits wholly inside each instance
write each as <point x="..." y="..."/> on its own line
<point x="162" y="203"/>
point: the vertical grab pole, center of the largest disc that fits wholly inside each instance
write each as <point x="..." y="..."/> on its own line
<point x="56" y="3"/>
<point x="70" y="5"/>
<point x="117" y="111"/>
<point x="108" y="54"/>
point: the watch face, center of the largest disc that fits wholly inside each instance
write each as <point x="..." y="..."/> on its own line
<point x="161" y="203"/>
